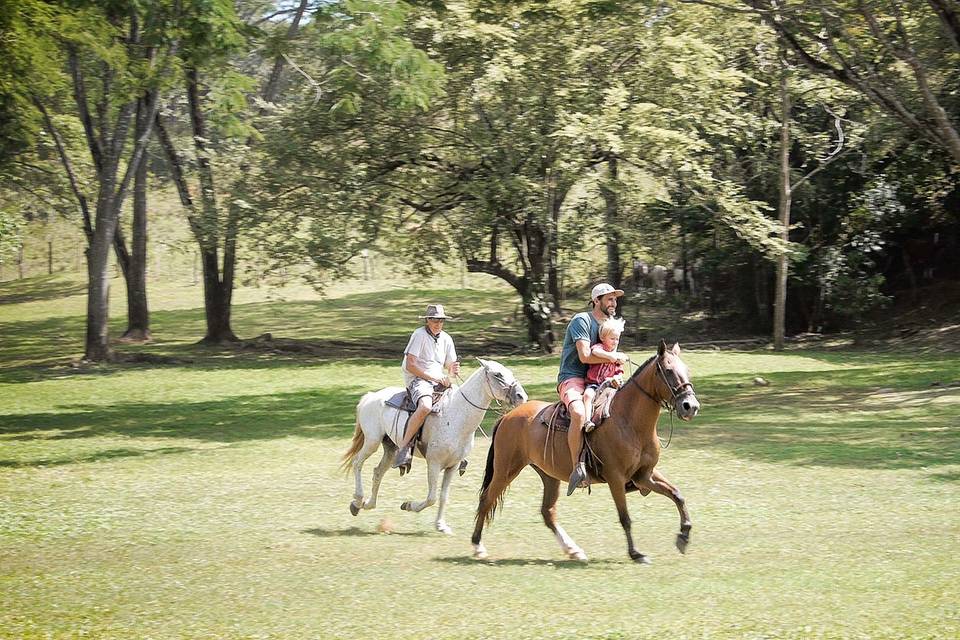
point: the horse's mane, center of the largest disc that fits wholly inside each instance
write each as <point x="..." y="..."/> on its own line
<point x="642" y="367"/>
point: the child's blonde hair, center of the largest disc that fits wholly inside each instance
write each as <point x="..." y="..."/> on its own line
<point x="611" y="326"/>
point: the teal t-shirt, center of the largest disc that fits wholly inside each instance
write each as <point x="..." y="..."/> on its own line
<point x="583" y="326"/>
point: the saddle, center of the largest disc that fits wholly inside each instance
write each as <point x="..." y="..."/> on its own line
<point x="402" y="400"/>
<point x="555" y="416"/>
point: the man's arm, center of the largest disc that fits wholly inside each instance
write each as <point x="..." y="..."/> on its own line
<point x="453" y="363"/>
<point x="412" y="364"/>
<point x="588" y="356"/>
<point x="608" y="356"/>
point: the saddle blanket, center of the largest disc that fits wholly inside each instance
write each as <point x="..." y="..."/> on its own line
<point x="401" y="402"/>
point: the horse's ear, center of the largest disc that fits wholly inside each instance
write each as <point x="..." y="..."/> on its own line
<point x="662" y="348"/>
<point x="676" y="349"/>
<point x="483" y="363"/>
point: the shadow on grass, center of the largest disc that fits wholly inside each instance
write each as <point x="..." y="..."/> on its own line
<point x="534" y="562"/>
<point x="109" y="454"/>
<point x="311" y="414"/>
<point x="39" y="288"/>
<point x="352" y="532"/>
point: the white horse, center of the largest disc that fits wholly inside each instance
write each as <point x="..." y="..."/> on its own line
<point x="447" y="436"/>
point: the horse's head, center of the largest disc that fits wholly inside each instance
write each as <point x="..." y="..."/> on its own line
<point x="502" y="383"/>
<point x="674" y="376"/>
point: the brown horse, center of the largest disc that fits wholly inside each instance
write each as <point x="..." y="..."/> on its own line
<point x="625" y="445"/>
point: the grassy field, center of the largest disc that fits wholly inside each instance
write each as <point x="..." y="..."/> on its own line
<point x="202" y="499"/>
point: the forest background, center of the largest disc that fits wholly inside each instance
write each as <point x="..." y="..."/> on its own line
<point x="782" y="168"/>
<point x="759" y="176"/>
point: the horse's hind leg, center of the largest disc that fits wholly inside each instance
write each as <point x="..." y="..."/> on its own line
<point x="369" y="446"/>
<point x="389" y="451"/>
<point x="548" y="509"/>
<point x="441" y="524"/>
<point x="658" y="483"/>
<point x="490" y="495"/>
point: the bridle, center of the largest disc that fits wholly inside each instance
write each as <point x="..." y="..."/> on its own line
<point x="677" y="391"/>
<point x="512" y="388"/>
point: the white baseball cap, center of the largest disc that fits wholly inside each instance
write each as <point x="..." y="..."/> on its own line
<point x="603" y="289"/>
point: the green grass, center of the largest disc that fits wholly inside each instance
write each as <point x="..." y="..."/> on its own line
<point x="202" y="500"/>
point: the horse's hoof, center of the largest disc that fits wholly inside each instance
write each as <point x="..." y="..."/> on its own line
<point x="480" y="553"/>
<point x="578" y="555"/>
<point x="405" y="506"/>
<point x="354" y="510"/>
<point x="639" y="558"/>
<point x="682" y="542"/>
<point x="442" y="528"/>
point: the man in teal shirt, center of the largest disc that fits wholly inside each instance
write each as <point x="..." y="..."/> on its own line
<point x="582" y="333"/>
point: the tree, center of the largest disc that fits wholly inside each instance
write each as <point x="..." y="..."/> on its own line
<point x="324" y="190"/>
<point x="900" y="56"/>
<point x="129" y="49"/>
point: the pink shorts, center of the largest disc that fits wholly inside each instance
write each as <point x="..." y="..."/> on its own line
<point x="571" y="389"/>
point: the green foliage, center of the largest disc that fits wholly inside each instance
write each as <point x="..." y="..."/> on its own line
<point x="10" y="229"/>
<point x="28" y="64"/>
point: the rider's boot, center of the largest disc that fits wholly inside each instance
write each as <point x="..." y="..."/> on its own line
<point x="578" y="479"/>
<point x="404" y="459"/>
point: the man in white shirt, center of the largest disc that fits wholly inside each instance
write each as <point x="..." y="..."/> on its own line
<point x="429" y="352"/>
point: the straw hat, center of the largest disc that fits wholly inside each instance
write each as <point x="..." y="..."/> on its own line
<point x="435" y="311"/>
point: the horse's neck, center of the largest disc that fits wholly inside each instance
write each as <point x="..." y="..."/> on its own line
<point x="468" y="404"/>
<point x="639" y="409"/>
<point x="475" y="391"/>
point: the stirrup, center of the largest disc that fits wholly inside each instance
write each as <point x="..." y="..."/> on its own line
<point x="404" y="459"/>
<point x="578" y="479"/>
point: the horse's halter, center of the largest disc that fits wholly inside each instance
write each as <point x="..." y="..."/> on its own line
<point x="677" y="391"/>
<point x="486" y="379"/>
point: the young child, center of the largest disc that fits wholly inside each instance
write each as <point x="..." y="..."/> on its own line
<point x="610" y="372"/>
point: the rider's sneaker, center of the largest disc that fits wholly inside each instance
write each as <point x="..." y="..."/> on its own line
<point x="589" y="426"/>
<point x="578" y="479"/>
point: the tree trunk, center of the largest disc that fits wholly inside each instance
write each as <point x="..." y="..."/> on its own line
<point x="138" y="314"/>
<point x="536" y="306"/>
<point x="97" y="347"/>
<point x="611" y="215"/>
<point x="536" y="312"/>
<point x="785" y="196"/>
<point x="554" y="201"/>
<point x="216" y="303"/>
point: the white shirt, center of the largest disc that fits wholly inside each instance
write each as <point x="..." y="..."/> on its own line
<point x="432" y="354"/>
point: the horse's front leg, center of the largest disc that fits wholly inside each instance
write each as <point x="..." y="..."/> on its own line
<point x="658" y="483"/>
<point x="444" y="497"/>
<point x="618" y="491"/>
<point x="433" y="477"/>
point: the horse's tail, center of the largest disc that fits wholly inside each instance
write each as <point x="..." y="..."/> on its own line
<point x="355" y="446"/>
<point x="488" y="476"/>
